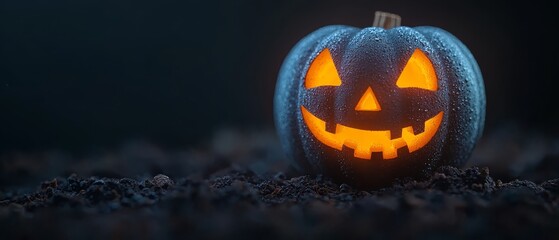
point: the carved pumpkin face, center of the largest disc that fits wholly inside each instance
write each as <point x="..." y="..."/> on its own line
<point x="417" y="73"/>
<point x="367" y="106"/>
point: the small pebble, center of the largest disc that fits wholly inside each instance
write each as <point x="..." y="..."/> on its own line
<point x="162" y="181"/>
<point x="345" y="188"/>
<point x="280" y="176"/>
<point x="98" y="182"/>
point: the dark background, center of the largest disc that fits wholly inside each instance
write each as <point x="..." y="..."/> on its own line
<point x="82" y="74"/>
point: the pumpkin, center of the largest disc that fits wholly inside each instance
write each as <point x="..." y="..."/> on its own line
<point x="368" y="106"/>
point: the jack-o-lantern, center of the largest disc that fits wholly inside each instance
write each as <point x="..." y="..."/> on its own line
<point x="367" y="106"/>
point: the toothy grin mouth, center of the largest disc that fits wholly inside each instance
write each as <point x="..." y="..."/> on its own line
<point x="365" y="142"/>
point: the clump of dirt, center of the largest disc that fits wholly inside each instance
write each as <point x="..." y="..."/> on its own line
<point x="452" y="202"/>
<point x="248" y="191"/>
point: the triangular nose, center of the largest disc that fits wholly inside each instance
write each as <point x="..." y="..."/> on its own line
<point x="368" y="102"/>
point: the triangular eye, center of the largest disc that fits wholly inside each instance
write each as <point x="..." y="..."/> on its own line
<point x="322" y="71"/>
<point x="418" y="73"/>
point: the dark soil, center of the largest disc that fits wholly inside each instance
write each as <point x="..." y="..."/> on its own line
<point x="239" y="186"/>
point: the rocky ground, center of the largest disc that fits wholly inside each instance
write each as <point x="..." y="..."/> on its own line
<point x="238" y="185"/>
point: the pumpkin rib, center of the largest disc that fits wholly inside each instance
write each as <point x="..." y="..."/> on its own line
<point x="475" y="94"/>
<point x="285" y="120"/>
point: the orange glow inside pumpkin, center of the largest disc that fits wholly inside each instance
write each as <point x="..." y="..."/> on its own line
<point x="365" y="142"/>
<point x="368" y="102"/>
<point x="418" y="73"/>
<point x="322" y="72"/>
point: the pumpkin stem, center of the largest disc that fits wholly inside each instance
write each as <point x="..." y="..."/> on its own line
<point x="386" y="20"/>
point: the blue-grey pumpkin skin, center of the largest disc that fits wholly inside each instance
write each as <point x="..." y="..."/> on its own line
<point x="375" y="57"/>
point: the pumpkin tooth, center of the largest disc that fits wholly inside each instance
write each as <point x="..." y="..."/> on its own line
<point x="330" y="127"/>
<point x="419" y="127"/>
<point x="417" y="141"/>
<point x="396" y="133"/>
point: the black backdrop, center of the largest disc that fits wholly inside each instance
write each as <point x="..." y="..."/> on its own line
<point x="75" y="74"/>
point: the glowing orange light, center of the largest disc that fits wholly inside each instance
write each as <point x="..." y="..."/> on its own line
<point x="322" y="71"/>
<point x="365" y="142"/>
<point x="418" y="73"/>
<point x="368" y="102"/>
